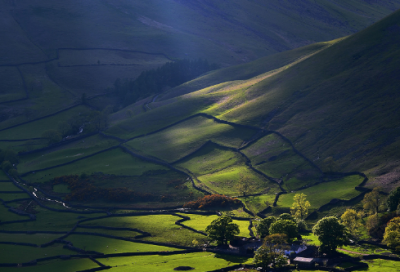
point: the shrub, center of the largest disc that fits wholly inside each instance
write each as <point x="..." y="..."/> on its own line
<point x="210" y="201"/>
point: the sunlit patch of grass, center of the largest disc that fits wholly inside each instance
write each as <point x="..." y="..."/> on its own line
<point x="182" y="139"/>
<point x="200" y="222"/>
<point x="161" y="227"/>
<point x="202" y="261"/>
<point x="109" y="245"/>
<point x="380" y="265"/>
<point x="321" y="194"/>
<point x="257" y="203"/>
<point x="226" y="181"/>
<point x="310" y="239"/>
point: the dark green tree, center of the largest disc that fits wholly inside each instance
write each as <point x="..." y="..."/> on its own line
<point x="286" y="216"/>
<point x="331" y="233"/>
<point x="52" y="136"/>
<point x="264" y="225"/>
<point x="287" y="227"/>
<point x="271" y="251"/>
<point x="222" y="230"/>
<point x="393" y="199"/>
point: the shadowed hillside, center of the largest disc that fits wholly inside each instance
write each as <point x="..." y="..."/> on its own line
<point x="337" y="104"/>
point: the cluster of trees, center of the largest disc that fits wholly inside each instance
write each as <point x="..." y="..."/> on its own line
<point x="82" y="189"/>
<point x="157" y="80"/>
<point x="284" y="224"/>
<point x="212" y="201"/>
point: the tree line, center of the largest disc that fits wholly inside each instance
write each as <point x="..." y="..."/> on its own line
<point x="155" y="81"/>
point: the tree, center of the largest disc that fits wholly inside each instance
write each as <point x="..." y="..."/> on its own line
<point x="372" y="201"/>
<point x="222" y="230"/>
<point x="271" y="251"/>
<point x="52" y="136"/>
<point x="331" y="233"/>
<point x="392" y="234"/>
<point x="286" y="216"/>
<point x="287" y="227"/>
<point x="243" y="185"/>
<point x="393" y="199"/>
<point x="300" y="206"/>
<point x="264" y="225"/>
<point x="350" y="219"/>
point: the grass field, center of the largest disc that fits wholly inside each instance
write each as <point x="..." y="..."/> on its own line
<point x="38" y="238"/>
<point x="161" y="227"/>
<point x="257" y="203"/>
<point x="109" y="245"/>
<point x="12" y="253"/>
<point x="23" y="146"/>
<point x="182" y="139"/>
<point x="227" y="181"/>
<point x="56" y="265"/>
<point x="65" y="153"/>
<point x="210" y="159"/>
<point x="276" y="158"/>
<point x="321" y="194"/>
<point x="118" y="233"/>
<point x="200" y="222"/>
<point x="8" y="197"/>
<point x="12" y="86"/>
<point x="8" y="186"/>
<point x="202" y="261"/>
<point x="10" y="216"/>
<point x="114" y="161"/>
<point x="36" y="128"/>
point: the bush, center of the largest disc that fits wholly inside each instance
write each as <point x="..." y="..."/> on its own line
<point x="210" y="201"/>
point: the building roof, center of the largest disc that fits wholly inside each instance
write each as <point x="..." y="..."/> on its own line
<point x="304" y="260"/>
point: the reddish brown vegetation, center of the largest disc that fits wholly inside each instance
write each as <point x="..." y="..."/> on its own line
<point x="212" y="201"/>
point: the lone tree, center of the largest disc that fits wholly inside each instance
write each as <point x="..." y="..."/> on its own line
<point x="331" y="233"/>
<point x="372" y="201"/>
<point x="222" y="230"/>
<point x="300" y="206"/>
<point x="393" y="199"/>
<point x="392" y="234"/>
<point x="350" y="219"/>
<point x="264" y="225"/>
<point x="287" y="227"/>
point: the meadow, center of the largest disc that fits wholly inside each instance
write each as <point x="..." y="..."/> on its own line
<point x="323" y="193"/>
<point x="182" y="139"/>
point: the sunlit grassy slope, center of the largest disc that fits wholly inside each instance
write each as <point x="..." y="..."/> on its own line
<point x="339" y="102"/>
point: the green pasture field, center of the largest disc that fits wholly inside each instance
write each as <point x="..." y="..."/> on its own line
<point x="276" y="158"/>
<point x="114" y="162"/>
<point x="161" y="227"/>
<point x="210" y="159"/>
<point x="200" y="222"/>
<point x="55" y="265"/>
<point x="202" y="261"/>
<point x="12" y="85"/>
<point x="257" y="203"/>
<point x="226" y="181"/>
<point x="23" y="146"/>
<point x="380" y="265"/>
<point x="366" y="249"/>
<point x="20" y="254"/>
<point x="3" y="176"/>
<point x="321" y="194"/>
<point x="47" y="220"/>
<point x="37" y="238"/>
<point x="65" y="153"/>
<point x="118" y="233"/>
<point x="9" y="197"/>
<point x="9" y="216"/>
<point x="109" y="245"/>
<point x="182" y="139"/>
<point x="36" y="128"/>
<point x="8" y="186"/>
<point x="61" y="188"/>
